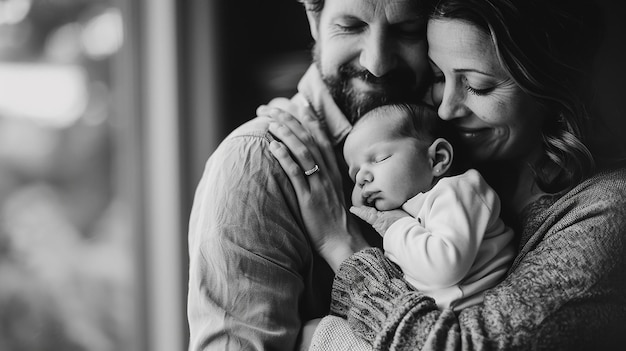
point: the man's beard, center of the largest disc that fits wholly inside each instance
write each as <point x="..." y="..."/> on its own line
<point x="398" y="86"/>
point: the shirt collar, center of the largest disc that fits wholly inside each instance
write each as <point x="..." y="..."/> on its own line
<point x="313" y="89"/>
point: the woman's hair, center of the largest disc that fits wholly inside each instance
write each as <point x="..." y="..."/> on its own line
<point x="315" y="6"/>
<point x="547" y="47"/>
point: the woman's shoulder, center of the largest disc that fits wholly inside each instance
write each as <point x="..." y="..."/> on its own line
<point x="606" y="188"/>
<point x="596" y="204"/>
<point x="610" y="181"/>
<point x="603" y="194"/>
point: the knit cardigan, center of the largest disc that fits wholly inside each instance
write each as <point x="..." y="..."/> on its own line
<point x="566" y="289"/>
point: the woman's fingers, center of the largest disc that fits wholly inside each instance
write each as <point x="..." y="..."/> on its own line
<point x="306" y="153"/>
<point x="306" y="136"/>
<point x="300" y="119"/>
<point x="304" y="124"/>
<point x="292" y="169"/>
<point x="281" y="103"/>
<point x="319" y="131"/>
<point x="286" y="118"/>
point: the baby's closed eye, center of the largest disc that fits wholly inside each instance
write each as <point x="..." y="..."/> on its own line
<point x="381" y="158"/>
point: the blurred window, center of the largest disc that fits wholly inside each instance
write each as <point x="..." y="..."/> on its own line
<point x="68" y="263"/>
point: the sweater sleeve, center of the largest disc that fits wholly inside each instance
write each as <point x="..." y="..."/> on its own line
<point x="572" y="269"/>
<point x="368" y="288"/>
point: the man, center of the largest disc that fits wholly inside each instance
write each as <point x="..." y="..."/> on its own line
<point x="254" y="278"/>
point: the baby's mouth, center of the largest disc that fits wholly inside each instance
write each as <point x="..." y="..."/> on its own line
<point x="370" y="197"/>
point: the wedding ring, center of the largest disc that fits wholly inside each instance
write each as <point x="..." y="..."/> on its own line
<point x="312" y="170"/>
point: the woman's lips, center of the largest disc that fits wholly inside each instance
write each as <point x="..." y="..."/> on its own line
<point x="474" y="135"/>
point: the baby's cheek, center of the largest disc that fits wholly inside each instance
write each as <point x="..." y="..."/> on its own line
<point x="357" y="199"/>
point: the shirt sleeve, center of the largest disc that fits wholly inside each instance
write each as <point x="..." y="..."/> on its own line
<point x="437" y="251"/>
<point x="250" y="262"/>
<point x="572" y="269"/>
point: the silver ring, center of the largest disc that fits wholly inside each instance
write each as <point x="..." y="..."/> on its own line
<point x="311" y="171"/>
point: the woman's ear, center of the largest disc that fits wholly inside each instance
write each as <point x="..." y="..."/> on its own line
<point x="441" y="154"/>
<point x="313" y="18"/>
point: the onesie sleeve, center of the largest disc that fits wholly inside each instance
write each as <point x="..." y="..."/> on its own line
<point x="438" y="249"/>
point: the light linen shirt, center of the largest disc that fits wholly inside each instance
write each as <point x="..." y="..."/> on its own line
<point x="254" y="277"/>
<point x="455" y="246"/>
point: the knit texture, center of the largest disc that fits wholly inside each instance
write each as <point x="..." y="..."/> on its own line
<point x="566" y="289"/>
<point x="334" y="334"/>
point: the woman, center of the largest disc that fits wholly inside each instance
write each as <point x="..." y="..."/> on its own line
<point x="510" y="77"/>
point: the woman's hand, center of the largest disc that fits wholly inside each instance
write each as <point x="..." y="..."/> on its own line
<point x="307" y="157"/>
<point x="380" y="220"/>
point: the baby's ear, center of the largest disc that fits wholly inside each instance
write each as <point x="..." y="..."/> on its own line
<point x="441" y="154"/>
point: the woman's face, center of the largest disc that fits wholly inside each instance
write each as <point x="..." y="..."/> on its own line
<point x="495" y="118"/>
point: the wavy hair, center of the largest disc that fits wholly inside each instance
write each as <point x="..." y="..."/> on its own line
<point x="547" y="47"/>
<point x="314" y="6"/>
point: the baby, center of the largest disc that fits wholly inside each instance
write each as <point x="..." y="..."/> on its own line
<point x="454" y="245"/>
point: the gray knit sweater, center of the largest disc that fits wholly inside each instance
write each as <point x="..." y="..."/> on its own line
<point x="566" y="289"/>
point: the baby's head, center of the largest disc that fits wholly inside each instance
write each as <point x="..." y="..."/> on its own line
<point x="395" y="152"/>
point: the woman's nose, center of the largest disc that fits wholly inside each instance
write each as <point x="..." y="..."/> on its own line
<point x="452" y="104"/>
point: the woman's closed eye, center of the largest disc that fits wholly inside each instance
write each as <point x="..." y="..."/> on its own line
<point x="477" y="89"/>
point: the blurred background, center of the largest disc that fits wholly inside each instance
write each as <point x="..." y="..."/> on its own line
<point x="108" y="111"/>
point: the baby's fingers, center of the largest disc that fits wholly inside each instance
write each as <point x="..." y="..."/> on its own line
<point x="368" y="214"/>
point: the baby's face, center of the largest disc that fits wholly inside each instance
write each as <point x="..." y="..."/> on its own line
<point x="387" y="169"/>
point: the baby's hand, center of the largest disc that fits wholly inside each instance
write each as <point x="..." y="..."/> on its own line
<point x="380" y="220"/>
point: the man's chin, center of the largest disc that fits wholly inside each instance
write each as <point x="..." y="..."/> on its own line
<point x="362" y="103"/>
<point x="356" y="97"/>
<point x="365" y="97"/>
<point x="363" y="88"/>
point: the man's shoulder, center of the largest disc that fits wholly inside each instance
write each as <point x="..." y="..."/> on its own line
<point x="245" y="148"/>
<point x="250" y="137"/>
<point x="256" y="127"/>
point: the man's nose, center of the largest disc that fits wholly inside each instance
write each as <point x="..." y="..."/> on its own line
<point x="377" y="54"/>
